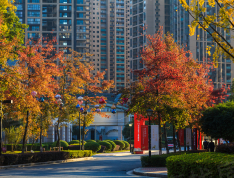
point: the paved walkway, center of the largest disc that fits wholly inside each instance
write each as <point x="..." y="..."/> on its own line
<point x="151" y="171"/>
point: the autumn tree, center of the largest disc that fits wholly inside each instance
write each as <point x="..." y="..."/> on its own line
<point x="35" y="74"/>
<point x="172" y="84"/>
<point x="214" y="17"/>
<point x="76" y="79"/>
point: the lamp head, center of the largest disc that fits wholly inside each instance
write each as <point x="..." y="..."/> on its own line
<point x="130" y="124"/>
<point x="149" y="112"/>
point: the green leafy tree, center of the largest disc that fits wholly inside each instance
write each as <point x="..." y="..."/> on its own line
<point x="218" y="121"/>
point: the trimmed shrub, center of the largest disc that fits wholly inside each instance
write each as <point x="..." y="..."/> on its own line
<point x="106" y="144"/>
<point x="225" y="148"/>
<point x="11" y="159"/>
<point x="75" y="142"/>
<point x="92" y="146"/>
<point x="98" y="141"/>
<point x="157" y="160"/>
<point x="63" y="144"/>
<point x="126" y="145"/>
<point x="120" y="143"/>
<point x="213" y="165"/>
<point x="112" y="144"/>
<point x="78" y="153"/>
<point x="90" y="141"/>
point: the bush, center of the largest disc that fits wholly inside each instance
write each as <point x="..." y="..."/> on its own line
<point x="90" y="141"/>
<point x="120" y="143"/>
<point x="225" y="148"/>
<point x="11" y="159"/>
<point x="78" y="153"/>
<point x="126" y="145"/>
<point x="132" y="142"/>
<point x="213" y="165"/>
<point x="63" y="144"/>
<point x="112" y="144"/>
<point x="106" y="144"/>
<point x="157" y="160"/>
<point x="75" y="142"/>
<point x="98" y="141"/>
<point x="92" y="146"/>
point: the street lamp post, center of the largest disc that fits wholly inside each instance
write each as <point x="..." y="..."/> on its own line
<point x="78" y="106"/>
<point x="149" y="113"/>
<point x="85" y="112"/>
<point x="130" y="125"/>
<point x="1" y="116"/>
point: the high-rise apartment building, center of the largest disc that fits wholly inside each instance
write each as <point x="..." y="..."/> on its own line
<point x="200" y="42"/>
<point x="146" y="16"/>
<point x="99" y="27"/>
<point x="109" y="39"/>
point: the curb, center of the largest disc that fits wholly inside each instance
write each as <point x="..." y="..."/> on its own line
<point x="45" y="163"/>
<point x="149" y="174"/>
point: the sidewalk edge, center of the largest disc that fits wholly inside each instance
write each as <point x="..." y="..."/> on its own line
<point x="45" y="163"/>
<point x="149" y="174"/>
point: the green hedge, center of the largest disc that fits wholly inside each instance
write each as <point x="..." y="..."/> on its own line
<point x="63" y="144"/>
<point x="157" y="160"/>
<point x="106" y="144"/>
<point x="112" y="144"/>
<point x="92" y="146"/>
<point x="11" y="159"/>
<point x="127" y="145"/>
<point x="120" y="143"/>
<point x="36" y="147"/>
<point x="75" y="142"/>
<point x="79" y="154"/>
<point x="213" y="165"/>
<point x="90" y="141"/>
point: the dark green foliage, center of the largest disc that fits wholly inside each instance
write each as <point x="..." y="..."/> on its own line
<point x="112" y="144"/>
<point x="126" y="145"/>
<point x="92" y="146"/>
<point x="63" y="144"/>
<point x="106" y="144"/>
<point x="208" y="165"/>
<point x="218" y="121"/>
<point x="11" y="159"/>
<point x="225" y="148"/>
<point x="90" y="141"/>
<point x="36" y="147"/>
<point x="126" y="131"/>
<point x="157" y="160"/>
<point x="75" y="142"/>
<point x="132" y="142"/>
<point x="79" y="154"/>
<point x="120" y="143"/>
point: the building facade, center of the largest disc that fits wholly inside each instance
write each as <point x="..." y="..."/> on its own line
<point x="146" y="17"/>
<point x="98" y="27"/>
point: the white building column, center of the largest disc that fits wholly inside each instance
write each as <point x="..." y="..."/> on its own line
<point x="50" y="134"/>
<point x="62" y="133"/>
<point x="120" y="137"/>
<point x="68" y="133"/>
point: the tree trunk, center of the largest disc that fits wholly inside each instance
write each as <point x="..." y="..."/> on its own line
<point x="32" y="144"/>
<point x="25" y="132"/>
<point x="58" y="142"/>
<point x="41" y="135"/>
<point x="83" y="134"/>
<point x="12" y="147"/>
<point x="174" y="141"/>
<point x="165" y="134"/>
<point x="160" y="134"/>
